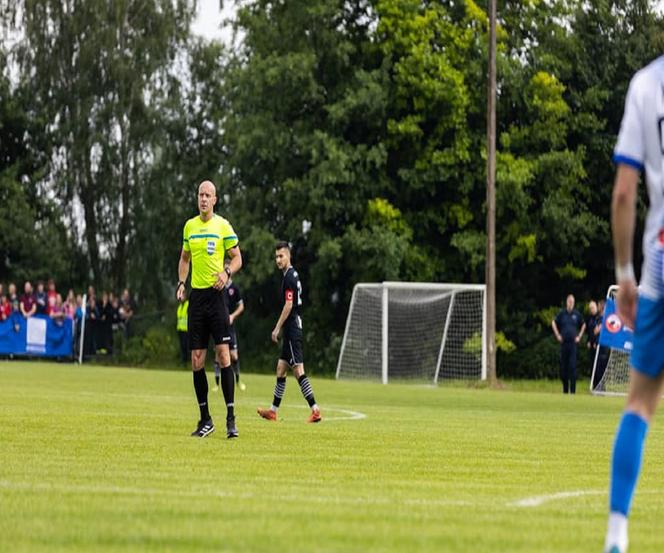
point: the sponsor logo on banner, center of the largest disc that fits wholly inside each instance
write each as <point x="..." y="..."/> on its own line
<point x="36" y="339"/>
<point x="614" y="333"/>
<point x="613" y="323"/>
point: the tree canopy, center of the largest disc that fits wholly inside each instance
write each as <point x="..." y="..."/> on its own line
<point x="355" y="129"/>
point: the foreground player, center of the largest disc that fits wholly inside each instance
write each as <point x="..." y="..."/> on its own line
<point x="206" y="239"/>
<point x="235" y="305"/>
<point x="291" y="349"/>
<point x="640" y="147"/>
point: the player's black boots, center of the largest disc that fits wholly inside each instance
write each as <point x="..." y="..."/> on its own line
<point x="231" y="430"/>
<point x="204" y="428"/>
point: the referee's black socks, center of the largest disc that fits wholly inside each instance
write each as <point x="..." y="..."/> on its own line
<point x="228" y="387"/>
<point x="201" y="387"/>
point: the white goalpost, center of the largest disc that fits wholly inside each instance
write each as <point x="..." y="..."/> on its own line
<point x="415" y="331"/>
<point x="610" y="376"/>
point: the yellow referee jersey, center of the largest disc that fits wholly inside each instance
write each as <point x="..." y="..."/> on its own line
<point x="208" y="242"/>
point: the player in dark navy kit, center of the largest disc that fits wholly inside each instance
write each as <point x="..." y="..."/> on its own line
<point x="566" y="327"/>
<point x="235" y="305"/>
<point x="290" y="323"/>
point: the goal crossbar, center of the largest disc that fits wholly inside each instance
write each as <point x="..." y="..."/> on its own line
<point x="387" y="322"/>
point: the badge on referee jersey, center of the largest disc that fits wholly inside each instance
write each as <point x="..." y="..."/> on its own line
<point x="211" y="246"/>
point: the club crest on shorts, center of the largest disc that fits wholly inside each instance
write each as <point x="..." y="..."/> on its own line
<point x="211" y="246"/>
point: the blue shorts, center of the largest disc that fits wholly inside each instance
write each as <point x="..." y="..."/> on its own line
<point x="647" y="357"/>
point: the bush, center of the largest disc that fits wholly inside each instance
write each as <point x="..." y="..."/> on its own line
<point x="541" y="359"/>
<point x="158" y="347"/>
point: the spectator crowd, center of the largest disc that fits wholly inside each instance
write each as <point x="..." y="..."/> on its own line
<point x="99" y="319"/>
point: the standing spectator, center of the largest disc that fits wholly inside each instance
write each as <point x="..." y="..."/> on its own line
<point x="70" y="304"/>
<point x="604" y="351"/>
<point x="57" y="311"/>
<point x="127" y="308"/>
<point x="41" y="299"/>
<point x="566" y="327"/>
<point x="51" y="302"/>
<point x="106" y="324"/>
<point x="51" y="292"/>
<point x="115" y="309"/>
<point x="28" y="302"/>
<point x="593" y="325"/>
<point x="182" y="325"/>
<point x="13" y="299"/>
<point x="15" y="306"/>
<point x="5" y="308"/>
<point x="51" y="296"/>
<point x="92" y="319"/>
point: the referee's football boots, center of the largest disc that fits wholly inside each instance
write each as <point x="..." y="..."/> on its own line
<point x="204" y="428"/>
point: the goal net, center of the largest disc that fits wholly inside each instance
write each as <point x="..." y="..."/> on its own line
<point x="611" y="366"/>
<point x="415" y="331"/>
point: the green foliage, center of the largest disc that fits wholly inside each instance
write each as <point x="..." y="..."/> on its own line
<point x="157" y="347"/>
<point x="353" y="129"/>
<point x="473" y="345"/>
<point x="546" y="315"/>
<point x="571" y="272"/>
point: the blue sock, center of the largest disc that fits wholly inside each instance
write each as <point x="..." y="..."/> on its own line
<point x="626" y="465"/>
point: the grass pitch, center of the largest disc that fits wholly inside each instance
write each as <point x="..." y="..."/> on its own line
<point x="100" y="459"/>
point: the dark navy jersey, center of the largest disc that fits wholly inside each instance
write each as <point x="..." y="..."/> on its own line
<point x="568" y="324"/>
<point x="291" y="290"/>
<point x="233" y="297"/>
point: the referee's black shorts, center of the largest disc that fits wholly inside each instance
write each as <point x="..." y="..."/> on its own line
<point x="291" y="347"/>
<point x="207" y="316"/>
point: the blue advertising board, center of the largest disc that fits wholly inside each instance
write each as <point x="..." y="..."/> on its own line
<point x="38" y="335"/>
<point x="614" y="333"/>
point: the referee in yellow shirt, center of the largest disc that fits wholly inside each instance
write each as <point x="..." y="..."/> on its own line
<point x="206" y="239"/>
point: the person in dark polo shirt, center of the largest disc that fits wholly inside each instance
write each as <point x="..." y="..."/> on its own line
<point x="568" y="328"/>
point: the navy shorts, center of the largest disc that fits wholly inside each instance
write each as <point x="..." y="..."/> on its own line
<point x="291" y="348"/>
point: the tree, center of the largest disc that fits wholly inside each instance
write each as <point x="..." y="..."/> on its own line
<point x="34" y="243"/>
<point x="101" y="73"/>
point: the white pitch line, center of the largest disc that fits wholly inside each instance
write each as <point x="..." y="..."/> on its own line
<point x="537" y="500"/>
<point x="198" y="493"/>
<point x="351" y="415"/>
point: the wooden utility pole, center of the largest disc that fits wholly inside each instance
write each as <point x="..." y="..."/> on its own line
<point x="490" y="268"/>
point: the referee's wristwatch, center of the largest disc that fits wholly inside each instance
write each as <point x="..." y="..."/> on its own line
<point x="227" y="270"/>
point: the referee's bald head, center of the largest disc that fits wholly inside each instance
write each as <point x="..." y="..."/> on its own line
<point x="207" y="197"/>
<point x="208" y="184"/>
